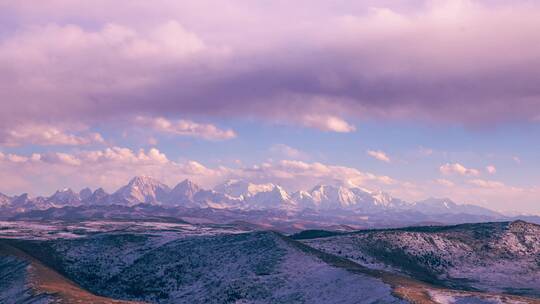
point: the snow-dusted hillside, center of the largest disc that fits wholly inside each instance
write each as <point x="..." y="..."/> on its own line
<point x="501" y="257"/>
<point x="257" y="267"/>
<point x="15" y="285"/>
<point x="166" y="262"/>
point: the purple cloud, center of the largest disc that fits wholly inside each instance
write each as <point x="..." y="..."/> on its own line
<point x="459" y="62"/>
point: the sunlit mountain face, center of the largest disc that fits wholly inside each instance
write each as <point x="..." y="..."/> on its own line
<point x="388" y="147"/>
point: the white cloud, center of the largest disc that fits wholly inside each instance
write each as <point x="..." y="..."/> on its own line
<point x="379" y="155"/>
<point x="327" y="123"/>
<point x="186" y="128"/>
<point x="457" y="168"/>
<point x="45" y="135"/>
<point x="486" y="183"/>
<point x="516" y="159"/>
<point x="491" y="169"/>
<point x="112" y="167"/>
<point x="297" y="174"/>
<point x="109" y="168"/>
<point x="60" y="158"/>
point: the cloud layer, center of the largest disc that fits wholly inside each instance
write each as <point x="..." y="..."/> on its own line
<point x="185" y="128"/>
<point x="45" y="135"/>
<point x="112" y="167"/>
<point x="379" y="155"/>
<point x="442" y="61"/>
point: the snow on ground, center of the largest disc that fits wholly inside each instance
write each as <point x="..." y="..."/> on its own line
<point x="255" y="267"/>
<point x="452" y="297"/>
<point x="62" y="230"/>
<point x="321" y="283"/>
<point x="495" y="257"/>
<point x="14" y="285"/>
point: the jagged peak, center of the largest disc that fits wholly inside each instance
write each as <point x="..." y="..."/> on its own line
<point x="187" y="183"/>
<point x="144" y="179"/>
<point x="99" y="190"/>
<point x="22" y="196"/>
<point x="64" y="191"/>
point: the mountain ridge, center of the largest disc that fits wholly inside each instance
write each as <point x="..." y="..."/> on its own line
<point x="241" y="195"/>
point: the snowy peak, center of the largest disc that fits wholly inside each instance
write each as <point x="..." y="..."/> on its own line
<point x="98" y="197"/>
<point x="443" y="203"/>
<point x="142" y="189"/>
<point x="185" y="191"/>
<point x="85" y="193"/>
<point x="274" y="197"/>
<point x="244" y="195"/>
<point x="25" y="202"/>
<point x="257" y="196"/>
<point x="240" y="188"/>
<point x="326" y="197"/>
<point x="447" y="206"/>
<point x="4" y="200"/>
<point x="64" y="197"/>
<point x="145" y="182"/>
<point x="331" y="197"/>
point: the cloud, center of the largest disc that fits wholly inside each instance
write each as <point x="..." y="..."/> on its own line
<point x="45" y="135"/>
<point x="486" y="183"/>
<point x="327" y="123"/>
<point x="296" y="174"/>
<point x="492" y="194"/>
<point x="347" y="63"/>
<point x="109" y="168"/>
<point x="59" y="158"/>
<point x="457" y="168"/>
<point x="379" y="155"/>
<point x="516" y="159"/>
<point x="186" y="128"/>
<point x="491" y="169"/>
<point x="112" y="167"/>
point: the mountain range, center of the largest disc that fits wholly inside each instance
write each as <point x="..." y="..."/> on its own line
<point x="243" y="200"/>
<point x="236" y="194"/>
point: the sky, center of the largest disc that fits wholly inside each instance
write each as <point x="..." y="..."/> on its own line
<point x="416" y="98"/>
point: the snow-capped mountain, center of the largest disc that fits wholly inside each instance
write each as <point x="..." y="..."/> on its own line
<point x="239" y="195"/>
<point x="242" y="189"/>
<point x="325" y="197"/>
<point x="330" y="197"/>
<point x="447" y="206"/>
<point x="98" y="197"/>
<point x="217" y="200"/>
<point x="271" y="198"/>
<point x="24" y="201"/>
<point x="4" y="200"/>
<point x="184" y="192"/>
<point x="257" y="196"/>
<point x="141" y="189"/>
<point x="85" y="193"/>
<point x="64" y="197"/>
